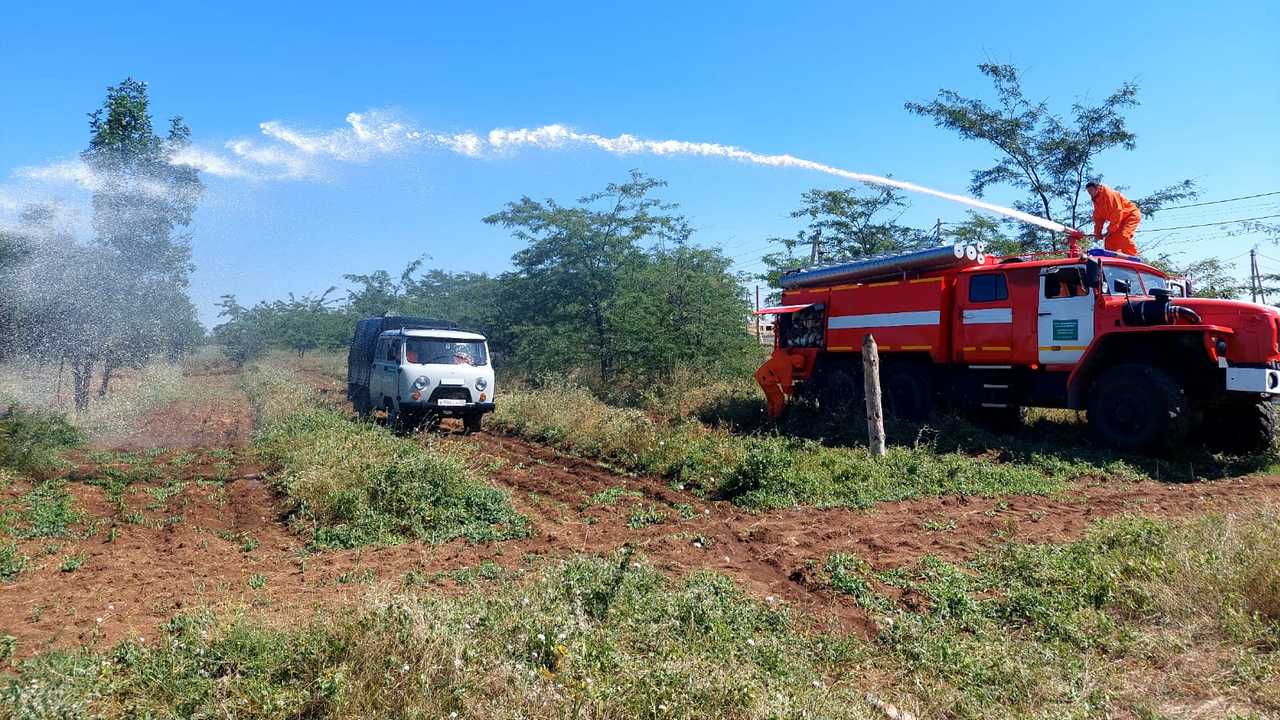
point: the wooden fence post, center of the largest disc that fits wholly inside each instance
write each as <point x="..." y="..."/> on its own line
<point x="875" y="410"/>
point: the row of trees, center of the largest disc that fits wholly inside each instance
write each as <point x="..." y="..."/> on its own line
<point x="611" y="283"/>
<point x="120" y="298"/>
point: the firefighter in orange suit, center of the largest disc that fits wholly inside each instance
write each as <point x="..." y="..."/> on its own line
<point x="1120" y="215"/>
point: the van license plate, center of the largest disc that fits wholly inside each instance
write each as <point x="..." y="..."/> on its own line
<point x="450" y="402"/>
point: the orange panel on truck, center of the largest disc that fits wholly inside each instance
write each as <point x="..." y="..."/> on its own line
<point x="903" y="315"/>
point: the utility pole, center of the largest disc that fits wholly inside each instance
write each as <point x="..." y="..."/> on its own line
<point x="937" y="231"/>
<point x="1255" y="283"/>
<point x="758" y="315"/>
<point x="817" y="240"/>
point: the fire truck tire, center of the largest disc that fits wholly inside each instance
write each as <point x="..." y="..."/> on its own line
<point x="908" y="391"/>
<point x="1243" y="427"/>
<point x="1138" y="407"/>
<point x="841" y="392"/>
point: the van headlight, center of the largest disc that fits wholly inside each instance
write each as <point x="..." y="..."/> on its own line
<point x="481" y="383"/>
<point x="422" y="382"/>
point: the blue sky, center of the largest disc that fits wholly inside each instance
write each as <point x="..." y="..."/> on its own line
<point x="821" y="81"/>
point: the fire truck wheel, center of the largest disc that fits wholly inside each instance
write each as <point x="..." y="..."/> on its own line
<point x="1243" y="426"/>
<point x="908" y="391"/>
<point x="1138" y="407"/>
<point x="841" y="392"/>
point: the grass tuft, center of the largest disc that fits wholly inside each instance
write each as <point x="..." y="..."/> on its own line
<point x="352" y="484"/>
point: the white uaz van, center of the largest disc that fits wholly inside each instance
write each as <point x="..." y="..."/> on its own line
<point x="423" y="374"/>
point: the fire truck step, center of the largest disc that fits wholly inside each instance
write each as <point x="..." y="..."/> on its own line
<point x="995" y="387"/>
<point x="990" y="367"/>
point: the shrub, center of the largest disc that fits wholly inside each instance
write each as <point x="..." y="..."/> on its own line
<point x="31" y="441"/>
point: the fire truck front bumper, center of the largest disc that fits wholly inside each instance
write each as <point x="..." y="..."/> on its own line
<point x="1264" y="381"/>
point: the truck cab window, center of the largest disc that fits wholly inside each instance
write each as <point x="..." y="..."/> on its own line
<point x="1065" y="282"/>
<point x="990" y="287"/>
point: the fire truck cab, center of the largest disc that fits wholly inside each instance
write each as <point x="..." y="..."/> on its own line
<point x="1101" y="333"/>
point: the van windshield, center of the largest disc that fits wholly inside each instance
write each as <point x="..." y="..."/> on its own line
<point x="439" y="351"/>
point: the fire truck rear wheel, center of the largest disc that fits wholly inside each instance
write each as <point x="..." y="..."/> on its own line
<point x="1138" y="407"/>
<point x="1246" y="426"/>
<point x="841" y="392"/>
<point x="908" y="391"/>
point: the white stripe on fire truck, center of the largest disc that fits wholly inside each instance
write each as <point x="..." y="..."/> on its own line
<point x="988" y="316"/>
<point x="874" y="320"/>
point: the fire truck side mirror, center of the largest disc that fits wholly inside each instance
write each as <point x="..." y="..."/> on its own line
<point x="1092" y="274"/>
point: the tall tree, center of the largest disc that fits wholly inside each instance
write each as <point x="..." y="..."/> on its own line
<point x="141" y="204"/>
<point x="567" y="278"/>
<point x="1046" y="155"/>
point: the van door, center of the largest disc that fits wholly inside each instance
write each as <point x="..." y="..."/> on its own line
<point x="391" y="369"/>
<point x="376" y="389"/>
<point x="1065" y="324"/>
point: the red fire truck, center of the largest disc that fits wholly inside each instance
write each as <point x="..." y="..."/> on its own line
<point x="1099" y="332"/>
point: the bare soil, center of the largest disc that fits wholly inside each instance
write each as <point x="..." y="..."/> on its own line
<point x="201" y="528"/>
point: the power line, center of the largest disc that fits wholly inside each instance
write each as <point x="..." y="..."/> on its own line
<point x="1217" y="202"/>
<point x="1222" y="222"/>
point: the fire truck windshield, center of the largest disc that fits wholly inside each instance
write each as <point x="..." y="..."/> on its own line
<point x="1121" y="280"/>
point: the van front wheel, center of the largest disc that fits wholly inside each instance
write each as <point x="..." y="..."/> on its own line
<point x="471" y="422"/>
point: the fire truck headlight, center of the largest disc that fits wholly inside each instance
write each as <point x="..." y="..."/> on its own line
<point x="1222" y="348"/>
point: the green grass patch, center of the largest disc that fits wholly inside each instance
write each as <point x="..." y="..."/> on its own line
<point x="1116" y="624"/>
<point x="72" y="563"/>
<point x="48" y="511"/>
<point x="764" y="471"/>
<point x="12" y="561"/>
<point x="612" y="496"/>
<point x="586" y="638"/>
<point x="352" y="484"/>
<point x="1024" y="628"/>
<point x="644" y="516"/>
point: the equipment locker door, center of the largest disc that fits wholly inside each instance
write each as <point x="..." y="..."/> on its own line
<point x="1065" y="323"/>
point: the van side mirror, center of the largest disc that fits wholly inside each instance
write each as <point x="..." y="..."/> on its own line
<point x="1092" y="274"/>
